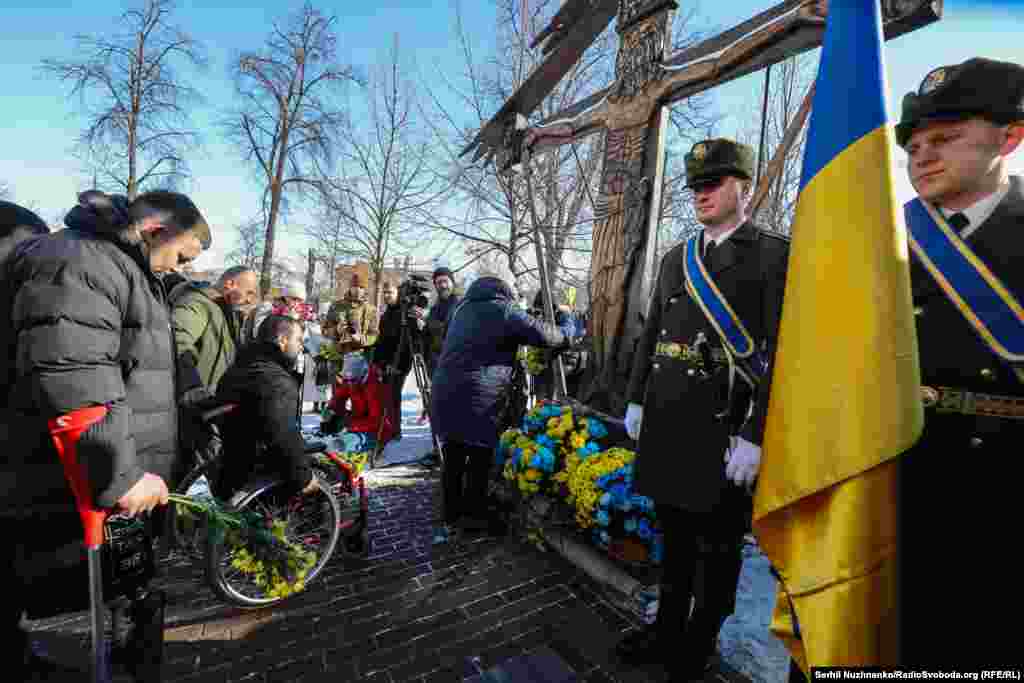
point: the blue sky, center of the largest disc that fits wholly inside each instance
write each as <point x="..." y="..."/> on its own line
<point x="41" y="124"/>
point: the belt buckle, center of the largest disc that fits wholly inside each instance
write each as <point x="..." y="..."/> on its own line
<point x="951" y="400"/>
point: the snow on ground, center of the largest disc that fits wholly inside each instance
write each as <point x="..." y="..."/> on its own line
<point x="415" y="441"/>
<point x="745" y="641"/>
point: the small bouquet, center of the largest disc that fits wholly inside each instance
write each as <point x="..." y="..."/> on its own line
<point x="351" y="464"/>
<point x="329" y="352"/>
<point x="260" y="547"/>
<point x="536" y="360"/>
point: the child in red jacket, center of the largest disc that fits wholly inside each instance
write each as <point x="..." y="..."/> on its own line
<point x="358" y="401"/>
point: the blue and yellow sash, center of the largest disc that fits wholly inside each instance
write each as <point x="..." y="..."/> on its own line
<point x="984" y="301"/>
<point x="703" y="290"/>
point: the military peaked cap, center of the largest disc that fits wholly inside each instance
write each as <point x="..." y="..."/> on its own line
<point x="978" y="87"/>
<point x="711" y="159"/>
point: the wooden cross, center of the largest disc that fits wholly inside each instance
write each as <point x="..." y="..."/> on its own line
<point x="632" y="112"/>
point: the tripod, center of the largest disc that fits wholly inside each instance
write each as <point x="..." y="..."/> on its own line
<point x="412" y="343"/>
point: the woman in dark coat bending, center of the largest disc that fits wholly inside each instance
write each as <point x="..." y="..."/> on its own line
<point x="472" y="374"/>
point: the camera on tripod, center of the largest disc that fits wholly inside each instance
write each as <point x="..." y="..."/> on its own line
<point x="413" y="293"/>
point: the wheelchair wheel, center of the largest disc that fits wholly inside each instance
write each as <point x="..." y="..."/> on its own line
<point x="312" y="521"/>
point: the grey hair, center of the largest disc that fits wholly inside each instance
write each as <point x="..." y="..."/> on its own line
<point x="233" y="273"/>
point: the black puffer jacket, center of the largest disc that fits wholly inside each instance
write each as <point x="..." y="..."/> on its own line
<point x="475" y="366"/>
<point x="264" y="428"/>
<point x="89" y="325"/>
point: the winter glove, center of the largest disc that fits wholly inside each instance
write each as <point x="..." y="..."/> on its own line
<point x="634" y="416"/>
<point x="743" y="460"/>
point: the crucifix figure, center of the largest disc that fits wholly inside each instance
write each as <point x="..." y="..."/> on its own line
<point x="632" y="113"/>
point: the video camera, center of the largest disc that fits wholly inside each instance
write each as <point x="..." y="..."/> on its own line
<point x="413" y="293"/>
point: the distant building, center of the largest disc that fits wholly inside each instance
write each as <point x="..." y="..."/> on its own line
<point x="401" y="269"/>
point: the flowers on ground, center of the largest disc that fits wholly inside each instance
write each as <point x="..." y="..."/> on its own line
<point x="559" y="454"/>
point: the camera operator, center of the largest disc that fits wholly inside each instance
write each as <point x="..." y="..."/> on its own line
<point x="389" y="352"/>
<point x="472" y="377"/>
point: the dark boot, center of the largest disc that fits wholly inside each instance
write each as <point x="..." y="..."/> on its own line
<point x="144" y="650"/>
<point x="647" y="645"/>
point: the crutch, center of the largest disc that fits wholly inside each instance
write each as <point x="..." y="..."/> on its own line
<point x="66" y="430"/>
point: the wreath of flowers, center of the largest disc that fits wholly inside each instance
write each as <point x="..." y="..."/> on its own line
<point x="561" y="455"/>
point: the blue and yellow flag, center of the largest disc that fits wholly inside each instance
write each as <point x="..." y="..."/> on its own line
<point x="845" y="400"/>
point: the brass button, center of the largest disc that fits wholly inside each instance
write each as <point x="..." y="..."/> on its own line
<point x="656" y="366"/>
<point x="988" y="374"/>
<point x="672" y="300"/>
<point x="918" y="310"/>
<point x="664" y="333"/>
<point x="691" y="372"/>
<point x="976" y="442"/>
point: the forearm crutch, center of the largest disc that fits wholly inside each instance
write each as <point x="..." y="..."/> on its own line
<point x="66" y="430"/>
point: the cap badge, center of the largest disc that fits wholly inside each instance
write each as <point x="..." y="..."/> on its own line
<point x="933" y="80"/>
<point x="700" y="151"/>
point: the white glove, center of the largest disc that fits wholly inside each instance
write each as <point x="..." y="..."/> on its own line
<point x="743" y="460"/>
<point x="634" y="416"/>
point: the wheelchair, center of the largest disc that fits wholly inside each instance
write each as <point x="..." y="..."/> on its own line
<point x="332" y="518"/>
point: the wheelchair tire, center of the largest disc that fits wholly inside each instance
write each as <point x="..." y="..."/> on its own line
<point x="268" y="496"/>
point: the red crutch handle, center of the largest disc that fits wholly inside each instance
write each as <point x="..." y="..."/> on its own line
<point x="66" y="430"/>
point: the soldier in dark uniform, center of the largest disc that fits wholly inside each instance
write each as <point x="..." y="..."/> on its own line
<point x="959" y="486"/>
<point x="702" y="423"/>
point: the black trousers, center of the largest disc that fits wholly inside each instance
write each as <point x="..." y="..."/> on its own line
<point x="702" y="561"/>
<point x="959" y="513"/>
<point x="464" y="480"/>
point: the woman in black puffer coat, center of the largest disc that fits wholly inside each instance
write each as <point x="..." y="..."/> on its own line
<point x="472" y="375"/>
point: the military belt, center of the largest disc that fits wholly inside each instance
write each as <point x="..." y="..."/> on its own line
<point x="690" y="354"/>
<point x="949" y="400"/>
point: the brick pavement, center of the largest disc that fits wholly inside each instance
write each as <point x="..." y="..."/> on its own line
<point x="410" y="611"/>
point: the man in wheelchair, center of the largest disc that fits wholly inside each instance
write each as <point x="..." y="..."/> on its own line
<point x="357" y="406"/>
<point x="262" y="433"/>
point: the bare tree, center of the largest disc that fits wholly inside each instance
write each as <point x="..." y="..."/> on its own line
<point x="386" y="181"/>
<point x="496" y="212"/>
<point x="287" y="121"/>
<point x="788" y="84"/>
<point x="136" y="103"/>
<point x="248" y="249"/>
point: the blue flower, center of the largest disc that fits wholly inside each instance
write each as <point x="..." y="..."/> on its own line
<point x="544" y="440"/>
<point x="605" y="499"/>
<point x="645" y="530"/>
<point x="602" y="518"/>
<point x="657" y="549"/>
<point x="596" y="428"/>
<point x="604" y="537"/>
<point x="535" y="461"/>
<point x="642" y="503"/>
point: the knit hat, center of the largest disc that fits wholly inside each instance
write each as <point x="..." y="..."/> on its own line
<point x="443" y="271"/>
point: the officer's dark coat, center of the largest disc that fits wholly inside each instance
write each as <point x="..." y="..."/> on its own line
<point x="682" y="445"/>
<point x="959" y="495"/>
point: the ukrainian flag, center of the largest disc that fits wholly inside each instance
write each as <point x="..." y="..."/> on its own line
<point x="845" y="399"/>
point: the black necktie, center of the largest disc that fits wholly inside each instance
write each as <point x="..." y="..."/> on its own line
<point x="958" y="221"/>
<point x="709" y="251"/>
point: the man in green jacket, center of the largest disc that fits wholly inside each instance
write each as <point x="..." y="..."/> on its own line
<point x="207" y="327"/>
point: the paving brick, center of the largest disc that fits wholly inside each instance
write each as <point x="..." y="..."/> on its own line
<point x="420" y="628"/>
